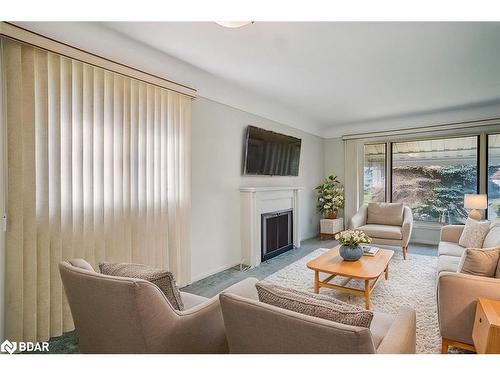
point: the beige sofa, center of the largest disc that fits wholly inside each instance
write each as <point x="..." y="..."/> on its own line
<point x="386" y="224"/>
<point x="125" y="315"/>
<point x="255" y="327"/>
<point x="457" y="293"/>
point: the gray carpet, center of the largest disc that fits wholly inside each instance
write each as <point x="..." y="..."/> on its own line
<point x="210" y="286"/>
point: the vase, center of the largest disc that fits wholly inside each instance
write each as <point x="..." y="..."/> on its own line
<point x="350" y="254"/>
<point x="332" y="214"/>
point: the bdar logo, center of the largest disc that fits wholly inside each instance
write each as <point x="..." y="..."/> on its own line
<point x="8" y="347"/>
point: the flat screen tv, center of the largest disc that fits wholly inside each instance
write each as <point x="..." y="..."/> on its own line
<point x="272" y="154"/>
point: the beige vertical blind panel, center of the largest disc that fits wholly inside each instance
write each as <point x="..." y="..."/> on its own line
<point x="98" y="168"/>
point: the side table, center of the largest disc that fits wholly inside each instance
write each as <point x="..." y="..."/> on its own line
<point x="486" y="331"/>
<point x="330" y="227"/>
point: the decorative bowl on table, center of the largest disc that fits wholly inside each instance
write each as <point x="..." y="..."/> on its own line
<point x="350" y="240"/>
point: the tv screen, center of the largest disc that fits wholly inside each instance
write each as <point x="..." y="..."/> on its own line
<point x="270" y="153"/>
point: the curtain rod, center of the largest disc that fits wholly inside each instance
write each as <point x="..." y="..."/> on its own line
<point x="424" y="129"/>
<point x="20" y="34"/>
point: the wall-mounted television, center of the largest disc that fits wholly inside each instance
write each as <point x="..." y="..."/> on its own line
<point x="272" y="154"/>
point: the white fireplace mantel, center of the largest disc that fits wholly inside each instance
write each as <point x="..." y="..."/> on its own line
<point x="258" y="200"/>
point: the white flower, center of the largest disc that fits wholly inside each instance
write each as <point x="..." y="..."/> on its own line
<point x="352" y="238"/>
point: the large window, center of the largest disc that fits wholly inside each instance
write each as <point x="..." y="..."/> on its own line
<point x="493" y="176"/>
<point x="374" y="173"/>
<point x="432" y="177"/>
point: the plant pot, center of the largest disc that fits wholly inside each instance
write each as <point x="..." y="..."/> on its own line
<point x="332" y="215"/>
<point x="350" y="254"/>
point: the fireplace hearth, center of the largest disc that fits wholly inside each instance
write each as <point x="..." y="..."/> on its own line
<point x="277" y="233"/>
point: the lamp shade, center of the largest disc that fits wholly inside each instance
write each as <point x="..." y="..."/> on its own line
<point x="476" y="201"/>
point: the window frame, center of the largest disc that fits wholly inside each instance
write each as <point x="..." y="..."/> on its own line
<point x="385" y="167"/>
<point x="389" y="160"/>
<point x="487" y="164"/>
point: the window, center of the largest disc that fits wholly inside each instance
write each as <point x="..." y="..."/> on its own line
<point x="374" y="173"/>
<point x="493" y="176"/>
<point x="432" y="177"/>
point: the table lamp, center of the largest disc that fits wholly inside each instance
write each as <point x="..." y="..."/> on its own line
<point x="475" y="202"/>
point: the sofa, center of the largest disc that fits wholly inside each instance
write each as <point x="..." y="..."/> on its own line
<point x="385" y="223"/>
<point x="259" y="328"/>
<point x="124" y="315"/>
<point x="457" y="293"/>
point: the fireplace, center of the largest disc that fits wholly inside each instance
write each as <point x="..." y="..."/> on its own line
<point x="277" y="233"/>
<point x="259" y="200"/>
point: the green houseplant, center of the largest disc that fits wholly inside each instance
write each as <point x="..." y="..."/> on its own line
<point x="330" y="197"/>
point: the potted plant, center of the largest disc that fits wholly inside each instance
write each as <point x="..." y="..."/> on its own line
<point x="330" y="197"/>
<point x="349" y="244"/>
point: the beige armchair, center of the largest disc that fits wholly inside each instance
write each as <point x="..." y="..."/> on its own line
<point x="386" y="224"/>
<point x="125" y="315"/>
<point x="256" y="327"/>
<point x="457" y="293"/>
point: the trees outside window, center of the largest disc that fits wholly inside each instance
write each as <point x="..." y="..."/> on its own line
<point x="374" y="173"/>
<point x="432" y="177"/>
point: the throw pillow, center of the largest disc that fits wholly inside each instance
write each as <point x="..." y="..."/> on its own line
<point x="479" y="262"/>
<point x="163" y="279"/>
<point x="492" y="239"/>
<point x="314" y="305"/>
<point x="385" y="213"/>
<point x="474" y="233"/>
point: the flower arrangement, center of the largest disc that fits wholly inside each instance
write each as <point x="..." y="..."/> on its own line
<point x="330" y="196"/>
<point x="352" y="238"/>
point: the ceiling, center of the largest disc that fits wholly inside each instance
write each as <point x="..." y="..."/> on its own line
<point x="342" y="75"/>
<point x="327" y="78"/>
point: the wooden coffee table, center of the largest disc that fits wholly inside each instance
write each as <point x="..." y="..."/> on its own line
<point x="368" y="268"/>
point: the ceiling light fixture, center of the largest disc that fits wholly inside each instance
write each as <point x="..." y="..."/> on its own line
<point x="233" y="24"/>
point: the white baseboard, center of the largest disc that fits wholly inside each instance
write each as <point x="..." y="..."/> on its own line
<point x="212" y="272"/>
<point x="231" y="265"/>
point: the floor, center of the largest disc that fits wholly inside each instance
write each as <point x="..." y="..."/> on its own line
<point x="210" y="286"/>
<point x="214" y="284"/>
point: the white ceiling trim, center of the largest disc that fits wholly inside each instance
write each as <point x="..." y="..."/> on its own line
<point x="420" y="123"/>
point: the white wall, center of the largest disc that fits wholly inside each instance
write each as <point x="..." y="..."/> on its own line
<point x="334" y="157"/>
<point x="218" y="133"/>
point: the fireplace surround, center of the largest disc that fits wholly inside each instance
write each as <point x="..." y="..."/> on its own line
<point x="256" y="201"/>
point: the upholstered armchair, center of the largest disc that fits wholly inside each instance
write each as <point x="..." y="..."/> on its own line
<point x="253" y="327"/>
<point x="124" y="315"/>
<point x="386" y="224"/>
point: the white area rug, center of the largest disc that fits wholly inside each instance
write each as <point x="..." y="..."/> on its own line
<point x="412" y="283"/>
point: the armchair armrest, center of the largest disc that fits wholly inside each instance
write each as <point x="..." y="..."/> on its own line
<point x="407" y="226"/>
<point x="451" y="233"/>
<point x="206" y="320"/>
<point x="401" y="337"/>
<point x="359" y="218"/>
<point x="245" y="288"/>
<point x="457" y="298"/>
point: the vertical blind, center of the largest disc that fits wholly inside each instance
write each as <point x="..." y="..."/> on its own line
<point x="98" y="168"/>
